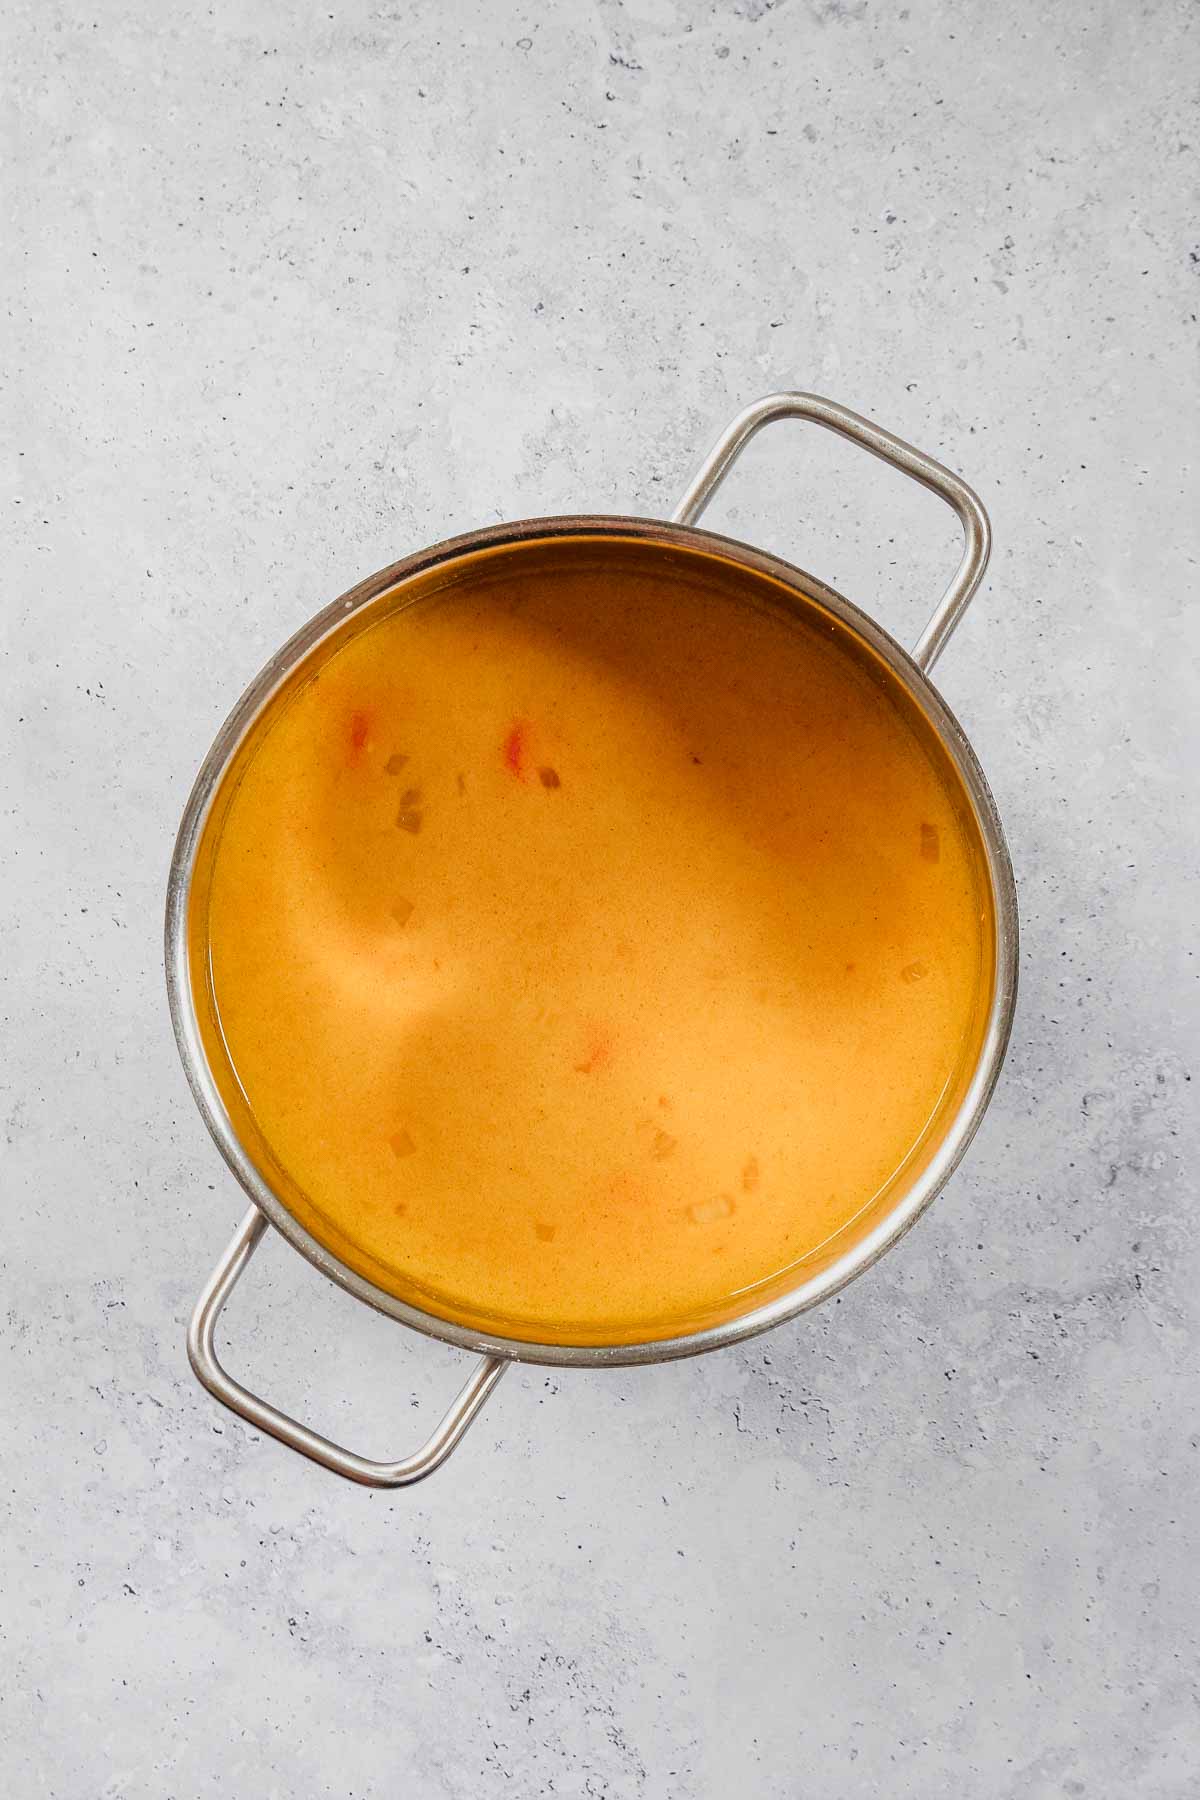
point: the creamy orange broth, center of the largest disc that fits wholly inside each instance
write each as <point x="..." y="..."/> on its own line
<point x="586" y="952"/>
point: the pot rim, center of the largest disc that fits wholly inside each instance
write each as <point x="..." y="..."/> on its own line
<point x="807" y="1293"/>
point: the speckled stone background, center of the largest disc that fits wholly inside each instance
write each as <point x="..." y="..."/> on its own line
<point x="291" y="291"/>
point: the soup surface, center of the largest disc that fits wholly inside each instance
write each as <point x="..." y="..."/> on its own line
<point x="585" y="950"/>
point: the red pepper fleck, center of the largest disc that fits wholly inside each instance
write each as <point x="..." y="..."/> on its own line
<point x="360" y="727"/>
<point x="623" y="1190"/>
<point x="515" y="745"/>
<point x="598" y="1052"/>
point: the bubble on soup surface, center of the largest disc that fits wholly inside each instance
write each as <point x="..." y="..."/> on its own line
<point x="708" y="1212"/>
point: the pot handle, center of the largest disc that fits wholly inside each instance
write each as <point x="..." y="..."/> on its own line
<point x="977" y="533"/>
<point x="203" y="1357"/>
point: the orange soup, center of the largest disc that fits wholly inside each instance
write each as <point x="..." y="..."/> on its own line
<point x="590" y="941"/>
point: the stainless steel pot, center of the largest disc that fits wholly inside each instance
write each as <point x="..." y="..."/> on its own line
<point x="911" y="669"/>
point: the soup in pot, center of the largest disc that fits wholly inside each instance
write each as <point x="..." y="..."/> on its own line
<point x="589" y="939"/>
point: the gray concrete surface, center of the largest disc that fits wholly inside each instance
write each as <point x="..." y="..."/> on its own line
<point x="293" y="290"/>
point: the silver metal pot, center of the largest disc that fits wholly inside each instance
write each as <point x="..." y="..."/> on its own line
<point x="910" y="669"/>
